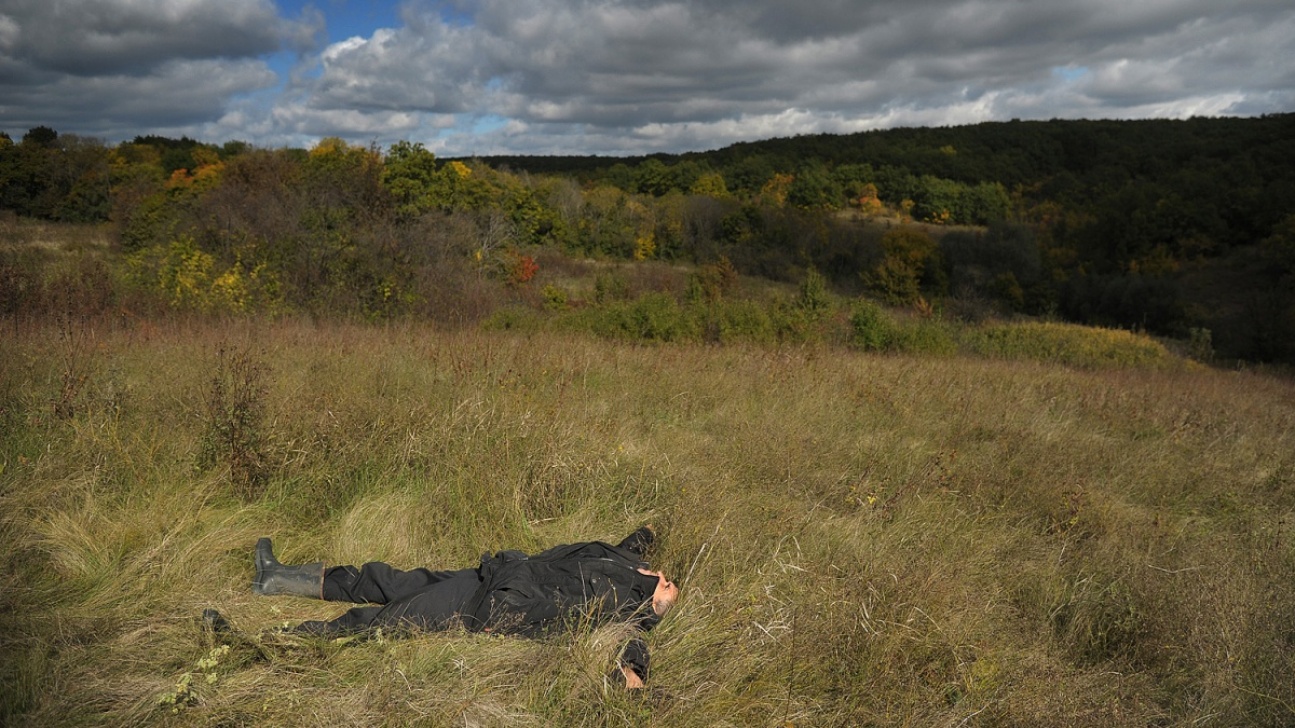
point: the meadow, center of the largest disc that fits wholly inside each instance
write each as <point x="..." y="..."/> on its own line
<point x="862" y="537"/>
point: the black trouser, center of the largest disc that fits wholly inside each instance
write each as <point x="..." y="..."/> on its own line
<point x="421" y="598"/>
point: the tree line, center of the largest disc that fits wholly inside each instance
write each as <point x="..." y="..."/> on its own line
<point x="1173" y="227"/>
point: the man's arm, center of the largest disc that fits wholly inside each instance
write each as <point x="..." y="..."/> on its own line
<point x="634" y="663"/>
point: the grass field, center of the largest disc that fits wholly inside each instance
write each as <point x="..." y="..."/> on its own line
<point x="862" y="539"/>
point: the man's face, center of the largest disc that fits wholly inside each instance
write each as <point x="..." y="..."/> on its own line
<point x="667" y="592"/>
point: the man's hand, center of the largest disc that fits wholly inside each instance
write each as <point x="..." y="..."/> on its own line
<point x="632" y="679"/>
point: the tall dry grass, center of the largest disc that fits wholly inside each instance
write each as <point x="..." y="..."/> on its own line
<point x="862" y="539"/>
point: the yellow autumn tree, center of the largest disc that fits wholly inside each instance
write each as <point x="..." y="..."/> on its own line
<point x="869" y="203"/>
<point x="774" y="191"/>
<point x="710" y="184"/>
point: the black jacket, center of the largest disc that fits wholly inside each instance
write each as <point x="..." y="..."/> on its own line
<point x="584" y="584"/>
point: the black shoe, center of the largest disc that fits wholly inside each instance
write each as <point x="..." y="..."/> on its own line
<point x="306" y="580"/>
<point x="215" y="623"/>
<point x="639" y="541"/>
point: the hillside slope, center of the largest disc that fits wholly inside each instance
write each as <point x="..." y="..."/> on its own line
<point x="861" y="539"/>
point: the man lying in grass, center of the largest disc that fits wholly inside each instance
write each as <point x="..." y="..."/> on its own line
<point x="509" y="593"/>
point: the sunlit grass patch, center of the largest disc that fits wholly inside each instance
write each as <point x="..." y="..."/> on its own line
<point x="1069" y="344"/>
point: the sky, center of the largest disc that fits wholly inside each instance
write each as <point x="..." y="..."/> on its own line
<point x="479" y="77"/>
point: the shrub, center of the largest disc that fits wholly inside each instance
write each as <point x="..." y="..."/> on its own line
<point x="652" y="317"/>
<point x="712" y="281"/>
<point x="927" y="337"/>
<point x="188" y="277"/>
<point x="610" y="287"/>
<point x="520" y="269"/>
<point x="742" y="321"/>
<point x="555" y="297"/>
<point x="871" y="329"/>
<point x="234" y="414"/>
<point x="814" y="299"/>
<point x="1068" y="344"/>
<point x="1201" y="345"/>
<point x="910" y="264"/>
<point x="512" y="319"/>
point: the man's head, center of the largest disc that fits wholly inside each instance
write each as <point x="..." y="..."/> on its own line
<point x="666" y="594"/>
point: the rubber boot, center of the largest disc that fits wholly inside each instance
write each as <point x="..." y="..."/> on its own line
<point x="640" y="541"/>
<point x="306" y="580"/>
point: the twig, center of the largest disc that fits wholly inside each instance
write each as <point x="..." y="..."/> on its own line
<point x="688" y="579"/>
<point x="1175" y="571"/>
<point x="1265" y="696"/>
<point x="973" y="715"/>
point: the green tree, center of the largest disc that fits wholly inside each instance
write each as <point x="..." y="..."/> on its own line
<point x="344" y="183"/>
<point x="1279" y="248"/>
<point x="910" y="263"/>
<point x="410" y="175"/>
<point x="40" y="136"/>
<point x="138" y="195"/>
<point x="710" y="184"/>
<point x="938" y="200"/>
<point x="814" y="299"/>
<point x="748" y="174"/>
<point x="607" y="224"/>
<point x="684" y="175"/>
<point x="55" y="177"/>
<point x="652" y="177"/>
<point x="79" y="180"/>
<point x="985" y="203"/>
<point x="814" y="189"/>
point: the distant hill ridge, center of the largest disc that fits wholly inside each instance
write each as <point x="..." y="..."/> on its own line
<point x="1010" y="152"/>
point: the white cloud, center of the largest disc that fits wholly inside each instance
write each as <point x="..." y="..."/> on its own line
<point x="117" y="68"/>
<point x="607" y="76"/>
<point x="9" y="32"/>
<point x="702" y="74"/>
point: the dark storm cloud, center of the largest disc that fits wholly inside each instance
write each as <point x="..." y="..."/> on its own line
<point x="102" y="66"/>
<point x="657" y="71"/>
<point x="175" y="94"/>
<point x="134" y="36"/>
<point x="641" y="75"/>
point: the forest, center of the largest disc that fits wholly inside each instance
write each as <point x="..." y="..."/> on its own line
<point x="1180" y="229"/>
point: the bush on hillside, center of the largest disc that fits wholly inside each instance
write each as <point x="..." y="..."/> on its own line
<point x="1067" y="344"/>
